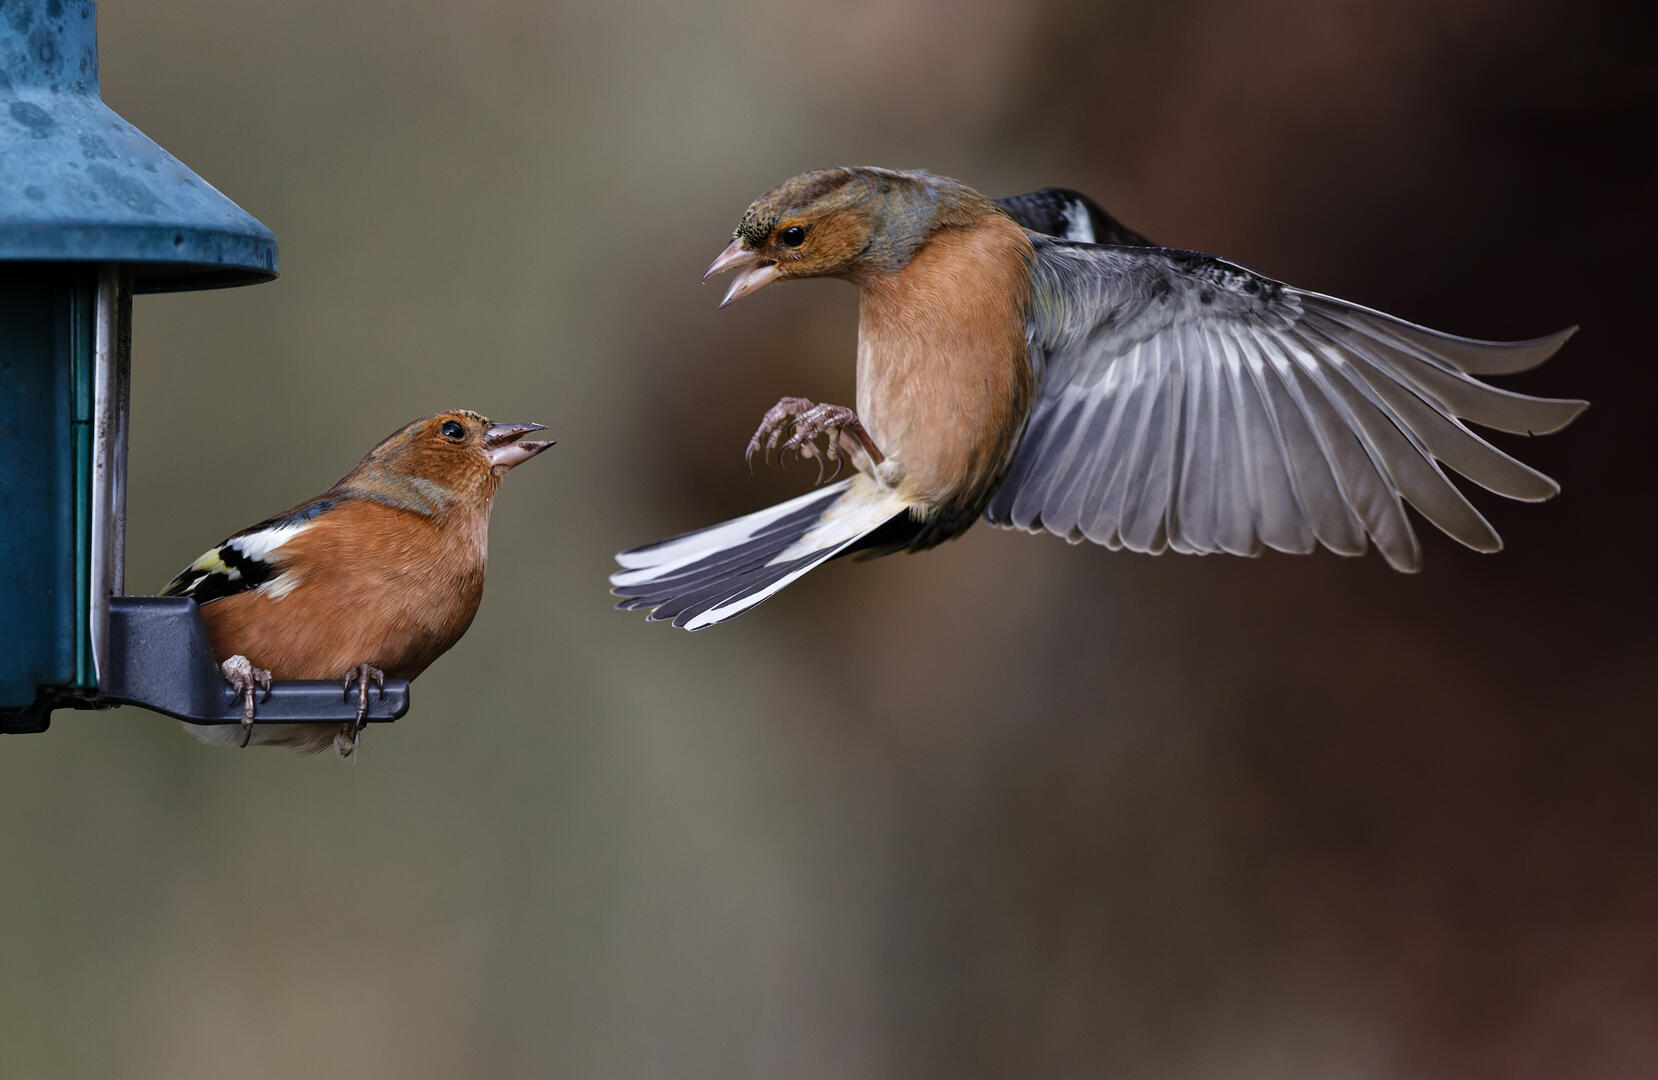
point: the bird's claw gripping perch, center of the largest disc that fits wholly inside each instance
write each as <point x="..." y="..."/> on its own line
<point x="796" y="423"/>
<point x="360" y="676"/>
<point x="243" y="677"/>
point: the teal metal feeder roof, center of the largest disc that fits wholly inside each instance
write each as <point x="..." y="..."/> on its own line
<point x="80" y="184"/>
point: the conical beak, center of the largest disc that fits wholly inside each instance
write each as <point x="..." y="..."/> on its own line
<point x="755" y="273"/>
<point x="505" y="445"/>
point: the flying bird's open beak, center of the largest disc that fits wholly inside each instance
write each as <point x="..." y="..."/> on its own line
<point x="756" y="273"/>
<point x="505" y="445"/>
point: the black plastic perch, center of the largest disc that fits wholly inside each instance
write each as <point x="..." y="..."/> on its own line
<point x="91" y="212"/>
<point x="159" y="658"/>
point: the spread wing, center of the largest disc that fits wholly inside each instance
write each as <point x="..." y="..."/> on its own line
<point x="249" y="559"/>
<point x="1188" y="403"/>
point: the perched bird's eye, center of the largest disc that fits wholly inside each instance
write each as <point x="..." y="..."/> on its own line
<point x="793" y="236"/>
<point x="452" y="429"/>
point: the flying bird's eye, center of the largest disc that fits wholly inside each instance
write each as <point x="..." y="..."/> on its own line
<point x="452" y="429"/>
<point x="793" y="236"/>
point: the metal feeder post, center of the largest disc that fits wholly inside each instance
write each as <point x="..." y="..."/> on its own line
<point x="92" y="211"/>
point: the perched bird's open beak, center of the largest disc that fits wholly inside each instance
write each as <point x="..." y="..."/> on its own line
<point x="756" y="274"/>
<point x="505" y="446"/>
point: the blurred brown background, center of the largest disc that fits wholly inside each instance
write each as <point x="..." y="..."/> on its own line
<point x="1010" y="808"/>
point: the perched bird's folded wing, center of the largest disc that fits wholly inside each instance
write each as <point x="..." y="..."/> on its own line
<point x="1188" y="403"/>
<point x="709" y="576"/>
<point x="1069" y="215"/>
<point x="250" y="559"/>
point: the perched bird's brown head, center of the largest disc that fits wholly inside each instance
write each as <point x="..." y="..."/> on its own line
<point x="844" y="222"/>
<point x="443" y="461"/>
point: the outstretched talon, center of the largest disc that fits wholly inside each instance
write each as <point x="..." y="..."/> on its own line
<point x="795" y="424"/>
<point x="774" y="427"/>
<point x="842" y="431"/>
<point x="242" y="676"/>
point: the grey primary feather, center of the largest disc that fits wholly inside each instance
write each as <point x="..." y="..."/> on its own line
<point x="1186" y="402"/>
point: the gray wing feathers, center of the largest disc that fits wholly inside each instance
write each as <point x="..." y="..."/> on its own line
<point x="1400" y="348"/>
<point x="1312" y="458"/>
<point x="1145" y="494"/>
<point x="1467" y="355"/>
<point x="1189" y="404"/>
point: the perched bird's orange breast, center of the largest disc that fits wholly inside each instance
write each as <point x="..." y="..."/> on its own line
<point x="943" y="370"/>
<point x="396" y="590"/>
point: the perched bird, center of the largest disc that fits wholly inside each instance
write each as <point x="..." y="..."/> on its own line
<point x="379" y="575"/>
<point x="1034" y="362"/>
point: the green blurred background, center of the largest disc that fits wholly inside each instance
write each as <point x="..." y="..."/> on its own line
<point x="1011" y="808"/>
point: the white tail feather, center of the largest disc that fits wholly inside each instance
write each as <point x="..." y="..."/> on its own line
<point x="717" y="573"/>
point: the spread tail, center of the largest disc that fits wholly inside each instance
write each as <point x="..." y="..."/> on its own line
<point x="714" y="574"/>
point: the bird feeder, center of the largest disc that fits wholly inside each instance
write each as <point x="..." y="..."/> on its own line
<point x="91" y="212"/>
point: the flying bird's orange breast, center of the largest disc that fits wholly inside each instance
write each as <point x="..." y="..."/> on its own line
<point x="944" y="376"/>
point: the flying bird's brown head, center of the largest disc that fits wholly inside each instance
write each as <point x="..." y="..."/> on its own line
<point x="845" y="223"/>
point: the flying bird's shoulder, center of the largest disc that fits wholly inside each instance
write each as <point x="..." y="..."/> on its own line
<point x="1069" y="215"/>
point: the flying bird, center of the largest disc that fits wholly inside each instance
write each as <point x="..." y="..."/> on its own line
<point x="1032" y="361"/>
<point x="379" y="575"/>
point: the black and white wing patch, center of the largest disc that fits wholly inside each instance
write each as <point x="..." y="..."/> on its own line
<point x="248" y="560"/>
<point x="1069" y="215"/>
<point x="1187" y="403"/>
